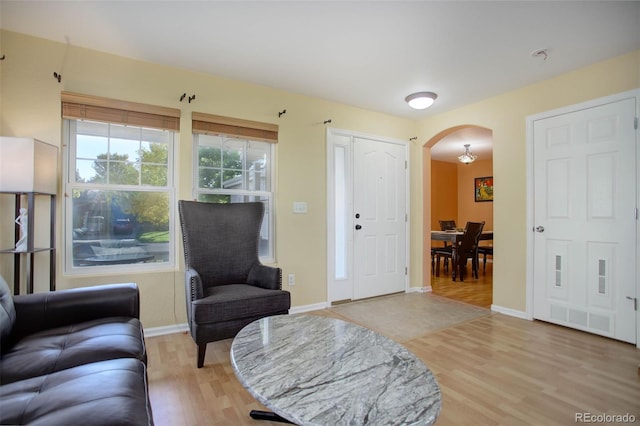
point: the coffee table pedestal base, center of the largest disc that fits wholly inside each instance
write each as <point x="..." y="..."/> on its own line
<point x="267" y="415"/>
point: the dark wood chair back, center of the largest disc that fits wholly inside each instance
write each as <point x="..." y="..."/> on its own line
<point x="447" y="225"/>
<point x="467" y="247"/>
<point x="468" y="244"/>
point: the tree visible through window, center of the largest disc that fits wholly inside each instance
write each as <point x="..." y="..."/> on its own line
<point x="232" y="170"/>
<point x="119" y="194"/>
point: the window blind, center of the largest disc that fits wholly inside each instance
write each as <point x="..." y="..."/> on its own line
<point x="86" y="107"/>
<point x="210" y="124"/>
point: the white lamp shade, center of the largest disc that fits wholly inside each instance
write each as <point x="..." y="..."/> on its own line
<point x="28" y="165"/>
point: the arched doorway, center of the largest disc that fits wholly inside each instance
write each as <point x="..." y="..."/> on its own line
<point x="449" y="188"/>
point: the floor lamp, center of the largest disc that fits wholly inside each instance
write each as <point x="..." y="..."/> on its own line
<point x="29" y="167"/>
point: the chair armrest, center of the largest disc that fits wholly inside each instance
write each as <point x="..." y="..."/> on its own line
<point x="265" y="276"/>
<point x="193" y="283"/>
<point x="41" y="311"/>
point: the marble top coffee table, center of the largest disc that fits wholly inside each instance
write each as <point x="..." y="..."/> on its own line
<point x="313" y="370"/>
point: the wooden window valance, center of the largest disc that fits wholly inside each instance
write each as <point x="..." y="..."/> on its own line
<point x="210" y="124"/>
<point x="85" y="107"/>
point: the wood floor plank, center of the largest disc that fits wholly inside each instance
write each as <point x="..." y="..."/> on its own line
<point x="539" y="374"/>
<point x="493" y="370"/>
<point x="474" y="291"/>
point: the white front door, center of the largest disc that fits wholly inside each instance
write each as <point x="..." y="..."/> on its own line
<point x="584" y="245"/>
<point x="379" y="217"/>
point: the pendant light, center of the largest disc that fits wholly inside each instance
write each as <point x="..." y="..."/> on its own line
<point x="467" y="157"/>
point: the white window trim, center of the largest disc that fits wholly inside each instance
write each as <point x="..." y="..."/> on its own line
<point x="67" y="212"/>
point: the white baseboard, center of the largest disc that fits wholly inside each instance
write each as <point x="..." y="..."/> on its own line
<point x="427" y="289"/>
<point x="510" y="312"/>
<point x="309" y="308"/>
<point x="168" y="329"/>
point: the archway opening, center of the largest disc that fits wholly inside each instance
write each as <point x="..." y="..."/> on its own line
<point x="449" y="193"/>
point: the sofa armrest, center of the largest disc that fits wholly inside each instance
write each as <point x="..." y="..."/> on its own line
<point x="41" y="311"/>
<point x="266" y="277"/>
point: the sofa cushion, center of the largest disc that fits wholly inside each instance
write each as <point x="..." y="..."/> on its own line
<point x="113" y="392"/>
<point x="236" y="301"/>
<point x="69" y="346"/>
<point x="7" y="311"/>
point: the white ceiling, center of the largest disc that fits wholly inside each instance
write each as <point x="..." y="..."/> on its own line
<point x="369" y="54"/>
<point x="449" y="148"/>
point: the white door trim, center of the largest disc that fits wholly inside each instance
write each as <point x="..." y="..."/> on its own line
<point x="331" y="136"/>
<point x="530" y="189"/>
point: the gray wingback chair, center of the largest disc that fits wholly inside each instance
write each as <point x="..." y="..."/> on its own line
<point x="227" y="287"/>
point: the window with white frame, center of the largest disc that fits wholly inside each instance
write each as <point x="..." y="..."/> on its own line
<point x="119" y="194"/>
<point x="233" y="167"/>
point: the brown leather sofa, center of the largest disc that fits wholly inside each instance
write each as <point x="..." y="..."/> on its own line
<point x="73" y="357"/>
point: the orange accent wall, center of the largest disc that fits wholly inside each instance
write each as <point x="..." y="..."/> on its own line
<point x="444" y="192"/>
<point x="452" y="193"/>
<point x="468" y="209"/>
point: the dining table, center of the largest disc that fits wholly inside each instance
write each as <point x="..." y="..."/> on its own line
<point x="453" y="236"/>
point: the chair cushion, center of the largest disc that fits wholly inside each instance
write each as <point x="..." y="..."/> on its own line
<point x="60" y="348"/>
<point x="7" y="311"/>
<point x="111" y="392"/>
<point x="235" y="301"/>
<point x="445" y="251"/>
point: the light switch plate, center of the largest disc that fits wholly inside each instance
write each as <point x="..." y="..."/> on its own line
<point x="299" y="207"/>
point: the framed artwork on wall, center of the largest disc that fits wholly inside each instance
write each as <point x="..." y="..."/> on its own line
<point x="483" y="189"/>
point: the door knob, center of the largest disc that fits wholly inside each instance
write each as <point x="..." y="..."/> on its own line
<point x="539" y="229"/>
<point x="358" y="227"/>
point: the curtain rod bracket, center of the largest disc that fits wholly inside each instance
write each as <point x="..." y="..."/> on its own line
<point x="281" y="113"/>
<point x="192" y="97"/>
<point x="57" y="76"/>
<point x="184" y="95"/>
<point x="327" y="121"/>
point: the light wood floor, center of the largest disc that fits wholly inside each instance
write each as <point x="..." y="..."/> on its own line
<point x="494" y="370"/>
<point x="478" y="292"/>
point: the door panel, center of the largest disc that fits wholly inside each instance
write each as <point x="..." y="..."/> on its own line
<point x="380" y="203"/>
<point x="584" y="192"/>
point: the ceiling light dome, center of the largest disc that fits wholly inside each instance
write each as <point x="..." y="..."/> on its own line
<point x="421" y="100"/>
<point x="467" y="157"/>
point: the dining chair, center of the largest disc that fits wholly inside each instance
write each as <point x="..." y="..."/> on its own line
<point x="445" y="225"/>
<point x="485" y="251"/>
<point x="466" y="248"/>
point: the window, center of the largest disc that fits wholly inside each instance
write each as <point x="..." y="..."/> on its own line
<point x="234" y="164"/>
<point x="119" y="192"/>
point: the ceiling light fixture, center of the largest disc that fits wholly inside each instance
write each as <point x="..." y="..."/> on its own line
<point x="467" y="157"/>
<point x="421" y="100"/>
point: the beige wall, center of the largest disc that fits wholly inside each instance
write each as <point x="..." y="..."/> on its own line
<point x="30" y="100"/>
<point x="30" y="106"/>
<point x="506" y="116"/>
